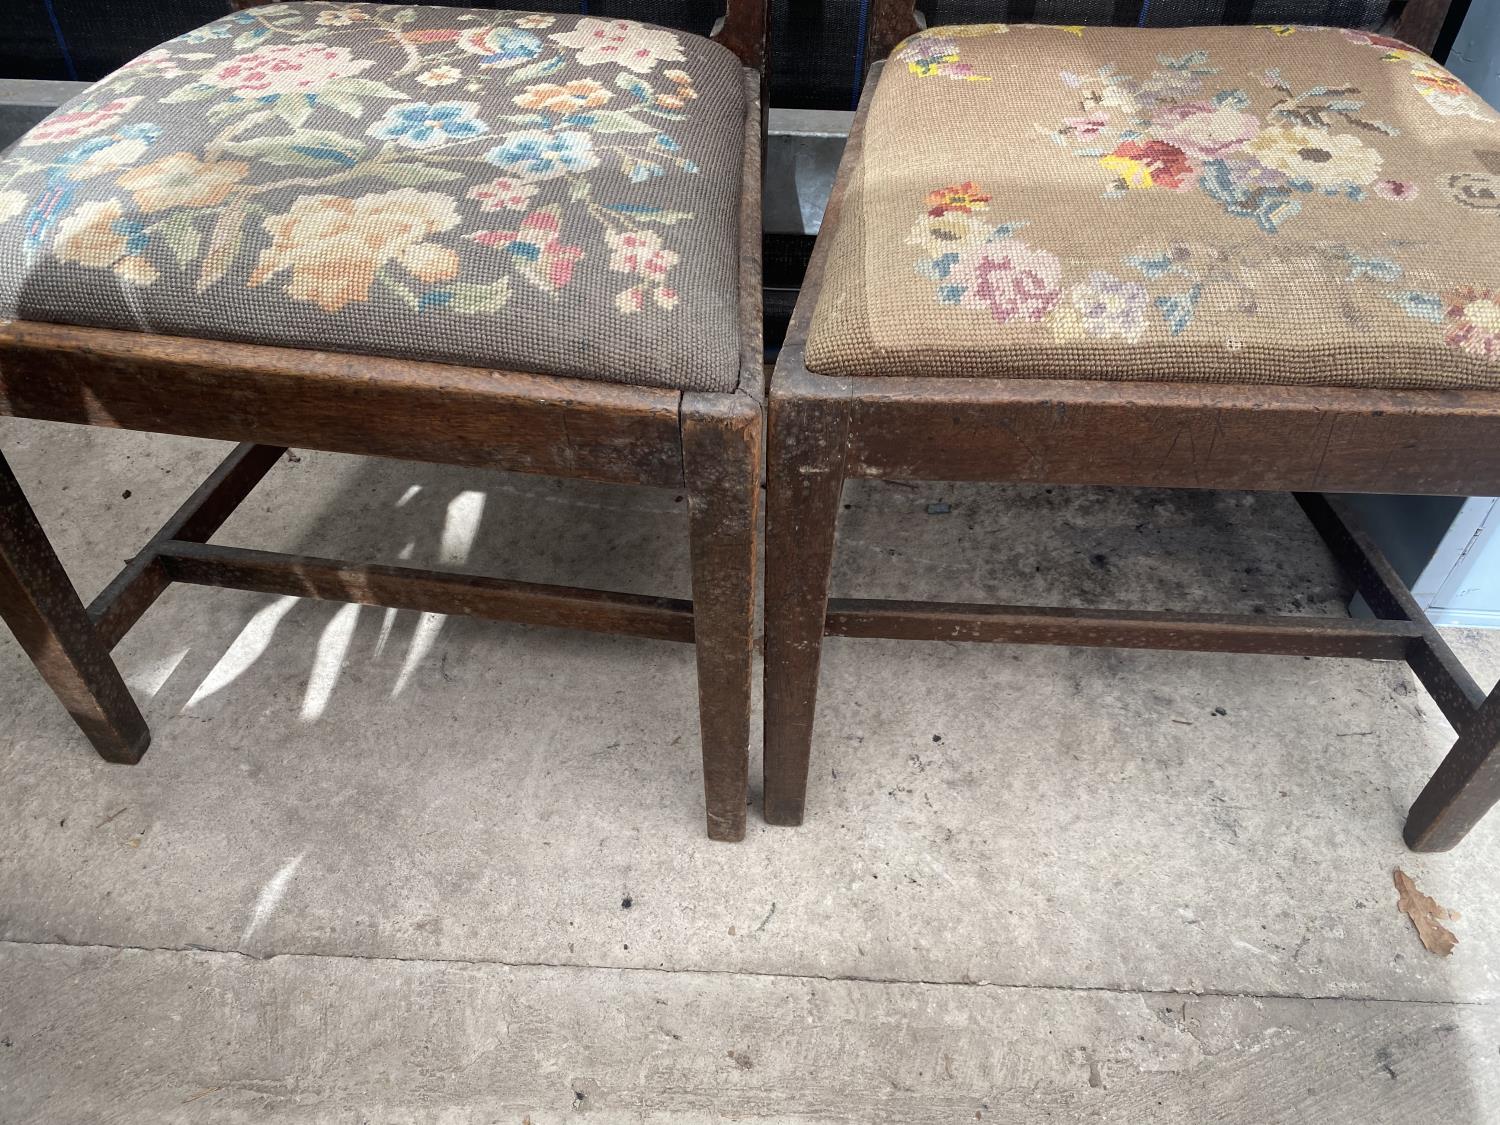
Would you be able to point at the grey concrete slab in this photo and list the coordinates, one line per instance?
(350, 782)
(102, 1035)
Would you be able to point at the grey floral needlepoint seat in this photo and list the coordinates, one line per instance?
(553, 194)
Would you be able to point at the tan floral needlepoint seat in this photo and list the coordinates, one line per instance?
(553, 194)
(1269, 205)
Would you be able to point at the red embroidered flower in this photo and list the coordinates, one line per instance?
(965, 197)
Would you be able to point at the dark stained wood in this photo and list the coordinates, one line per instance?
(721, 450)
(746, 32)
(1421, 22)
(807, 442)
(1063, 432)
(494, 599)
(890, 22)
(41, 607)
(132, 592)
(1177, 436)
(1464, 788)
(342, 403)
(1182, 632)
(1441, 672)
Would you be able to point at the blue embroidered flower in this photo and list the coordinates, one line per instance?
(420, 125)
(535, 154)
(501, 46)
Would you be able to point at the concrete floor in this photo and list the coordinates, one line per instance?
(387, 867)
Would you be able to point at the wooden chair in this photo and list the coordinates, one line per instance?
(944, 342)
(511, 240)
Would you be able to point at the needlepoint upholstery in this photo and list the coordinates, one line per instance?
(1231, 205)
(509, 190)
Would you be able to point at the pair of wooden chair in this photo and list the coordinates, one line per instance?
(1076, 255)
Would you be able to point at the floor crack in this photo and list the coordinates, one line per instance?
(831, 978)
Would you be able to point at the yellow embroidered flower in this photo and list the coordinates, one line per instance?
(1282, 29)
(182, 180)
(334, 246)
(1328, 161)
(98, 236)
(581, 93)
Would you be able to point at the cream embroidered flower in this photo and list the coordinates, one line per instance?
(1328, 161)
(98, 236)
(341, 17)
(182, 180)
(334, 246)
(440, 76)
(12, 203)
(623, 42)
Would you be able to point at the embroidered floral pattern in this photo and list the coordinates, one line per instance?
(1441, 90)
(1179, 130)
(297, 102)
(932, 55)
(976, 263)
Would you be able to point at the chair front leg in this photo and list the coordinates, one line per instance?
(1464, 788)
(41, 607)
(804, 483)
(721, 443)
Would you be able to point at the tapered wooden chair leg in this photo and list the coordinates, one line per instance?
(41, 607)
(721, 444)
(804, 481)
(1464, 787)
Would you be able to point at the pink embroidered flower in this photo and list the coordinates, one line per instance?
(1395, 189)
(1016, 282)
(285, 69)
(623, 42)
(538, 251)
(504, 193)
(79, 122)
(1204, 130)
(1368, 39)
(1085, 128)
(1473, 320)
(640, 252)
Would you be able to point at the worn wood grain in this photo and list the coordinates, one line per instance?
(38, 602)
(472, 595)
(341, 403)
(120, 604)
(721, 450)
(1153, 629)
